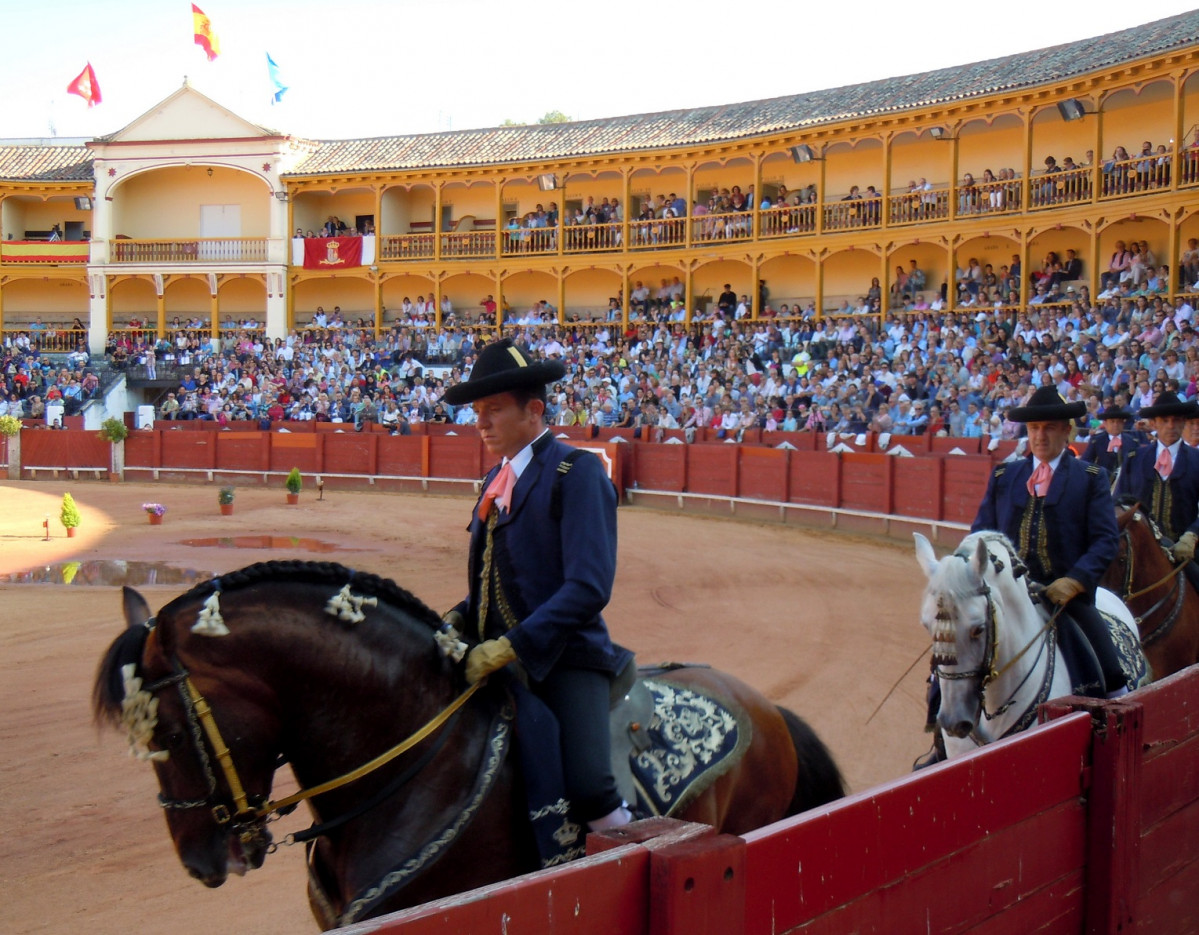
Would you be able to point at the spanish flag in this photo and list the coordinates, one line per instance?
(206, 39)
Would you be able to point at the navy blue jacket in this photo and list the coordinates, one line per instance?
(556, 573)
(1097, 452)
(1080, 521)
(1136, 480)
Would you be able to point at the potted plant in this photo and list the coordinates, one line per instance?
(115, 431)
(69, 515)
(155, 512)
(293, 484)
(225, 498)
(10, 428)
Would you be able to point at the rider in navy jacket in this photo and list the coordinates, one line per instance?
(1100, 448)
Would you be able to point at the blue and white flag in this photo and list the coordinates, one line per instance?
(276, 80)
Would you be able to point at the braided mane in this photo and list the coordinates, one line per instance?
(313, 573)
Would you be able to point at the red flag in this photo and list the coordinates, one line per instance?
(86, 86)
(332, 252)
(206, 39)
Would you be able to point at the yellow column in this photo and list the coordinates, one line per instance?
(561, 295)
(628, 209)
(499, 221)
(755, 207)
(1176, 166)
(162, 314)
(690, 201)
(437, 220)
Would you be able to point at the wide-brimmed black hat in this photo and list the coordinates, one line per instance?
(501, 368)
(1117, 412)
(1047, 405)
(1168, 404)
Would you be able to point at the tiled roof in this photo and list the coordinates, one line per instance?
(753, 118)
(46, 163)
(701, 125)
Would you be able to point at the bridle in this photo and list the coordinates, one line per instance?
(1177, 592)
(987, 672)
(247, 815)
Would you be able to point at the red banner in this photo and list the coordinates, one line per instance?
(332, 252)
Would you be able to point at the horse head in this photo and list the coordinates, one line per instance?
(969, 596)
(211, 689)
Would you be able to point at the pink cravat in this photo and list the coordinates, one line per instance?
(1164, 464)
(1115, 442)
(498, 491)
(1038, 484)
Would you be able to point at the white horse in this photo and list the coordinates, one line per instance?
(995, 648)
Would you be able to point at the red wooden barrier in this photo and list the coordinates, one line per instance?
(240, 451)
(866, 482)
(661, 467)
(815, 478)
(712, 469)
(51, 448)
(187, 450)
(919, 485)
(296, 449)
(763, 473)
(965, 482)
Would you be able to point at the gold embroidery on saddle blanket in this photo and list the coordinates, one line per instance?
(694, 739)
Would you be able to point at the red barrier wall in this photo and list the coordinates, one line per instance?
(295, 449)
(764, 473)
(52, 448)
(965, 483)
(661, 467)
(919, 487)
(711, 469)
(815, 478)
(239, 451)
(404, 455)
(1079, 825)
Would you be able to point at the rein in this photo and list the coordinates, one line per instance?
(246, 815)
(1178, 592)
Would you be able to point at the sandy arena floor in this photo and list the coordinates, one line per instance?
(821, 623)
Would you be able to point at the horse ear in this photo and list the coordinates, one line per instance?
(925, 554)
(978, 561)
(137, 611)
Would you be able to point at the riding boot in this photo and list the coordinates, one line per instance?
(937, 752)
(1094, 628)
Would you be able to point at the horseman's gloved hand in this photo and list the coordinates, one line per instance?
(487, 657)
(1184, 548)
(454, 619)
(1063, 590)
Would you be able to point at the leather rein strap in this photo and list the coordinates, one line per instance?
(243, 808)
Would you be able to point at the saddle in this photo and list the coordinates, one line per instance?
(669, 744)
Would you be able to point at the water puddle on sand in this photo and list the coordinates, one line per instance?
(288, 543)
(114, 573)
(108, 573)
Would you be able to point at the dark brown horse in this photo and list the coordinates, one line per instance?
(260, 667)
(1156, 591)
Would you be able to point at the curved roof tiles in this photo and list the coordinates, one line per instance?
(641, 132)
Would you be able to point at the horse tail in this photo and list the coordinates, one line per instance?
(818, 781)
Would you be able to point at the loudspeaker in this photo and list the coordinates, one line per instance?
(83, 204)
(548, 182)
(1071, 109)
(802, 153)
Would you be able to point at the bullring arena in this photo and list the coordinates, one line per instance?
(822, 623)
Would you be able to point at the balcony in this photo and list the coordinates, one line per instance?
(198, 250)
(45, 253)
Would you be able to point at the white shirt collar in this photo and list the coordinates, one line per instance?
(1173, 449)
(1036, 462)
(525, 455)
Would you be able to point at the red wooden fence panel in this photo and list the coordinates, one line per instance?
(403, 455)
(51, 448)
(351, 453)
(187, 450)
(815, 478)
(241, 451)
(296, 449)
(919, 485)
(458, 456)
(712, 469)
(763, 473)
(965, 483)
(660, 467)
(944, 850)
(866, 482)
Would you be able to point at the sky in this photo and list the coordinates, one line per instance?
(367, 68)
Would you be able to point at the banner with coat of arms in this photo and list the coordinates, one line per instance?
(332, 252)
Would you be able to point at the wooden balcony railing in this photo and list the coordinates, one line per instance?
(1052, 189)
(918, 207)
(847, 215)
(406, 246)
(53, 338)
(657, 234)
(199, 250)
(713, 228)
(525, 240)
(787, 220)
(592, 238)
(468, 244)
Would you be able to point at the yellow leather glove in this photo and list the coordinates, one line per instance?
(487, 657)
(1184, 548)
(1063, 590)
